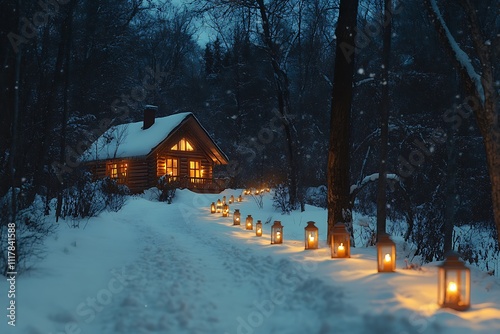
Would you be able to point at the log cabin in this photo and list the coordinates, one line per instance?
(138, 154)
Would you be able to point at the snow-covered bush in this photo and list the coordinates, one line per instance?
(317, 196)
(31, 229)
(281, 199)
(166, 189)
(87, 198)
(114, 194)
(428, 235)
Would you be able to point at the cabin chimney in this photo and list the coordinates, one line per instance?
(149, 116)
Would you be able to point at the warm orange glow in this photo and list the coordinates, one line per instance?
(387, 258)
(341, 250)
(452, 287)
(278, 235)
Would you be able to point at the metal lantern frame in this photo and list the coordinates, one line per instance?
(340, 242)
(258, 229)
(311, 236)
(453, 283)
(386, 254)
(276, 233)
(231, 199)
(236, 217)
(225, 210)
(212, 207)
(218, 206)
(223, 200)
(249, 223)
(240, 199)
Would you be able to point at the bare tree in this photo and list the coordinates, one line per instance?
(384, 122)
(476, 67)
(340, 124)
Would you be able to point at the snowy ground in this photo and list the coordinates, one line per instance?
(158, 268)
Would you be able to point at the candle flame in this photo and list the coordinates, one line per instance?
(452, 287)
(387, 258)
(341, 247)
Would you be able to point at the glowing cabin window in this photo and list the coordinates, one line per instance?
(172, 167)
(182, 145)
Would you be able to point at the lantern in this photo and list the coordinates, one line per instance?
(386, 254)
(223, 200)
(453, 283)
(240, 199)
(258, 229)
(249, 223)
(231, 199)
(219, 206)
(340, 241)
(225, 210)
(212, 207)
(276, 233)
(236, 217)
(311, 236)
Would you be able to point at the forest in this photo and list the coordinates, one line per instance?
(259, 77)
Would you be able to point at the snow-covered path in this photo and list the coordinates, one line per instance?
(183, 281)
(156, 268)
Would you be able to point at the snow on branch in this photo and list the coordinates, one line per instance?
(460, 55)
(371, 178)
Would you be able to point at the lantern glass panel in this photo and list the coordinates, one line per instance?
(454, 284)
(249, 223)
(258, 229)
(212, 208)
(386, 255)
(219, 206)
(225, 210)
(231, 199)
(277, 233)
(311, 236)
(236, 217)
(340, 245)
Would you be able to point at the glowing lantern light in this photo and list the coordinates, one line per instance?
(223, 200)
(231, 199)
(453, 283)
(311, 236)
(212, 207)
(340, 241)
(236, 217)
(219, 206)
(225, 210)
(386, 254)
(258, 229)
(277, 233)
(249, 223)
(240, 199)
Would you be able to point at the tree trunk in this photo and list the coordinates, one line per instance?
(283, 94)
(480, 88)
(62, 149)
(384, 124)
(338, 154)
(451, 175)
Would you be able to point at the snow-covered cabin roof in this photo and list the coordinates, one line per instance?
(130, 140)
